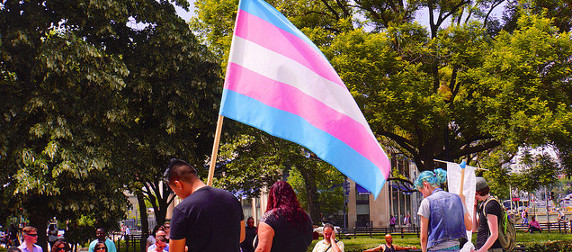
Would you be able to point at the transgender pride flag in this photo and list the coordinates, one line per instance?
(278, 81)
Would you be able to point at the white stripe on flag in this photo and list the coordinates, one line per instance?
(257, 58)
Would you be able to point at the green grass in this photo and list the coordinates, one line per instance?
(362, 242)
(529, 239)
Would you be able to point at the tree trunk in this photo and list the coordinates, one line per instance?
(144, 222)
(40, 221)
(312, 193)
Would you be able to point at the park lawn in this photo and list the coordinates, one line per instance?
(529, 239)
(362, 242)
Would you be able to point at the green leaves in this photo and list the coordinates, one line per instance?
(462, 89)
(91, 106)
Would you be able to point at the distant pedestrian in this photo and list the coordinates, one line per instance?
(392, 222)
(13, 237)
(534, 226)
(524, 216)
(208, 218)
(102, 238)
(284, 226)
(248, 244)
(444, 216)
(30, 239)
(407, 221)
(561, 215)
(52, 234)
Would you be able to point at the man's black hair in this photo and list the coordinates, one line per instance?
(484, 191)
(179, 170)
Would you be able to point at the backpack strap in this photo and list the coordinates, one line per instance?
(500, 219)
(485, 205)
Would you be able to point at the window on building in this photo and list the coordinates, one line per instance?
(362, 209)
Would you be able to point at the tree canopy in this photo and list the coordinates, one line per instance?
(467, 86)
(95, 98)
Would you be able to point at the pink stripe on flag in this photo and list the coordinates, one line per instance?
(292, 100)
(285, 43)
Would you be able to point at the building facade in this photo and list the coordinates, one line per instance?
(395, 199)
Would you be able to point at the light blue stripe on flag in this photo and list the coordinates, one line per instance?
(294, 128)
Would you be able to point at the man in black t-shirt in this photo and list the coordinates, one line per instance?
(487, 238)
(208, 218)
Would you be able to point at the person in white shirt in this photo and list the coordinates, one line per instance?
(329, 243)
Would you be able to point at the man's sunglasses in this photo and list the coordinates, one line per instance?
(34, 235)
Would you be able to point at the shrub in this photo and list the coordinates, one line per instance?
(554, 246)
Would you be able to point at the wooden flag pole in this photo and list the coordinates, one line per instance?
(462, 181)
(462, 165)
(215, 150)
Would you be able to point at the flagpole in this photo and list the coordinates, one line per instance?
(462, 165)
(447, 162)
(215, 150)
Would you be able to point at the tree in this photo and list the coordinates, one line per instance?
(559, 11)
(328, 180)
(449, 93)
(51, 145)
(539, 170)
(171, 105)
(91, 102)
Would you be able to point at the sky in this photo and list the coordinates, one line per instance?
(186, 15)
(422, 16)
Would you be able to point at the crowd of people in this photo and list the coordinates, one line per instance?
(30, 238)
(211, 219)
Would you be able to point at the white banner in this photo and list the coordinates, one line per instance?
(454, 183)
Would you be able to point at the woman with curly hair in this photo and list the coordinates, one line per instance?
(284, 226)
(444, 216)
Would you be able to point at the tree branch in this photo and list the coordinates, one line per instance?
(403, 142)
(453, 85)
(343, 7)
(493, 6)
(478, 148)
(331, 9)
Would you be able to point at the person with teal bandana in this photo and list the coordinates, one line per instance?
(444, 216)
